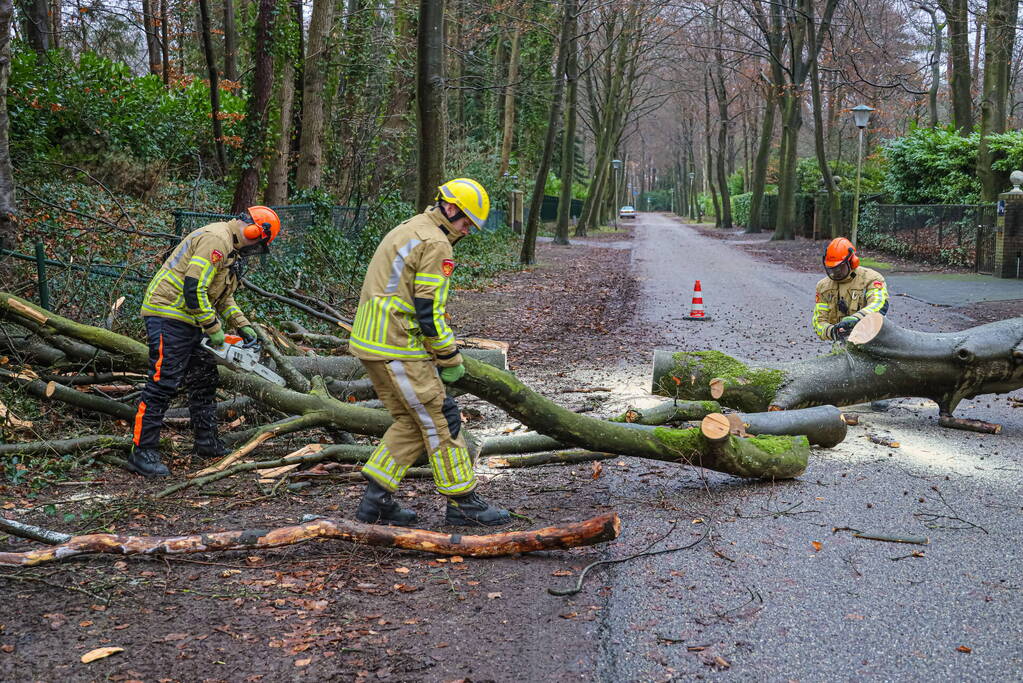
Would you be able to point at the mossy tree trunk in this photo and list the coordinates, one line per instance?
(896, 362)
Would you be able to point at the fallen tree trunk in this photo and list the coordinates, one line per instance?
(65, 446)
(778, 457)
(589, 532)
(822, 426)
(881, 360)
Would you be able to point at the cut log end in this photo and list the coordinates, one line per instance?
(736, 425)
(717, 388)
(715, 427)
(866, 329)
(51, 389)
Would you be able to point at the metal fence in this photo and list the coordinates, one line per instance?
(951, 234)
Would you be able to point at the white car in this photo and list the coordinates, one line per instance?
(627, 212)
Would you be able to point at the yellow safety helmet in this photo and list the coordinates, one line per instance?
(469, 196)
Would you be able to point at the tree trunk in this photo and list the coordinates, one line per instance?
(310, 158)
(280, 165)
(932, 93)
(152, 39)
(528, 254)
(231, 42)
(759, 175)
(430, 106)
(834, 227)
(509, 104)
(998, 43)
(164, 41)
(709, 173)
(792, 121)
(8, 201)
(958, 19)
(256, 117)
(568, 134)
(770, 457)
(589, 532)
(896, 362)
(211, 71)
(721, 95)
(35, 24)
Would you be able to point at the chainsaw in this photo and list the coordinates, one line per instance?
(241, 357)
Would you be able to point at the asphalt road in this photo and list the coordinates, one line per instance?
(775, 593)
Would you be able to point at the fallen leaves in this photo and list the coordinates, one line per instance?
(100, 653)
(493, 596)
(405, 588)
(964, 649)
(817, 545)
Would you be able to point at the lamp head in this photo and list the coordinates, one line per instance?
(861, 115)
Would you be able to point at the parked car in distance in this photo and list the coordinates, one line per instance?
(627, 212)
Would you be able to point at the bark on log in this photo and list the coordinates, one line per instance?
(895, 362)
(555, 458)
(589, 532)
(51, 391)
(669, 412)
(779, 457)
(65, 446)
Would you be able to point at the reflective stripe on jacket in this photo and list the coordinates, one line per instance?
(401, 312)
(863, 292)
(196, 281)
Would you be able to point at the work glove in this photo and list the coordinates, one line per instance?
(248, 335)
(842, 330)
(217, 338)
(452, 374)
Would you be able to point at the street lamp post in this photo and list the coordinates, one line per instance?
(615, 165)
(861, 116)
(692, 195)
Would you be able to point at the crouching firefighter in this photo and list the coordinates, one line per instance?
(195, 284)
(401, 337)
(847, 294)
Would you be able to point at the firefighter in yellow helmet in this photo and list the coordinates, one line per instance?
(402, 338)
(195, 284)
(847, 294)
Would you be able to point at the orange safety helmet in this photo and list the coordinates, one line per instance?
(840, 259)
(265, 226)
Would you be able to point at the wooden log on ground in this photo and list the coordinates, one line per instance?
(553, 458)
(769, 457)
(65, 446)
(881, 360)
(51, 391)
(589, 532)
(669, 412)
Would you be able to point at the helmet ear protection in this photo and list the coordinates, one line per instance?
(256, 232)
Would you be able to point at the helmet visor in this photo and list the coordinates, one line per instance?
(839, 272)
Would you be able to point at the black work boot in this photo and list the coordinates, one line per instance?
(146, 461)
(378, 507)
(471, 510)
(208, 445)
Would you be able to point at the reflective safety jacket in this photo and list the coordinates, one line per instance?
(401, 308)
(863, 292)
(196, 281)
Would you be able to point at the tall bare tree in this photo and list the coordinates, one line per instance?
(259, 105)
(8, 205)
(310, 156)
(568, 134)
(957, 16)
(508, 129)
(1000, 34)
(230, 42)
(211, 71)
(430, 106)
(528, 253)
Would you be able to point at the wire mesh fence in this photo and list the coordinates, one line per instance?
(952, 234)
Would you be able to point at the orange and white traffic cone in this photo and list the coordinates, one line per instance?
(697, 312)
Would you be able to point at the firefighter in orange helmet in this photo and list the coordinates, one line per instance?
(847, 294)
(181, 306)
